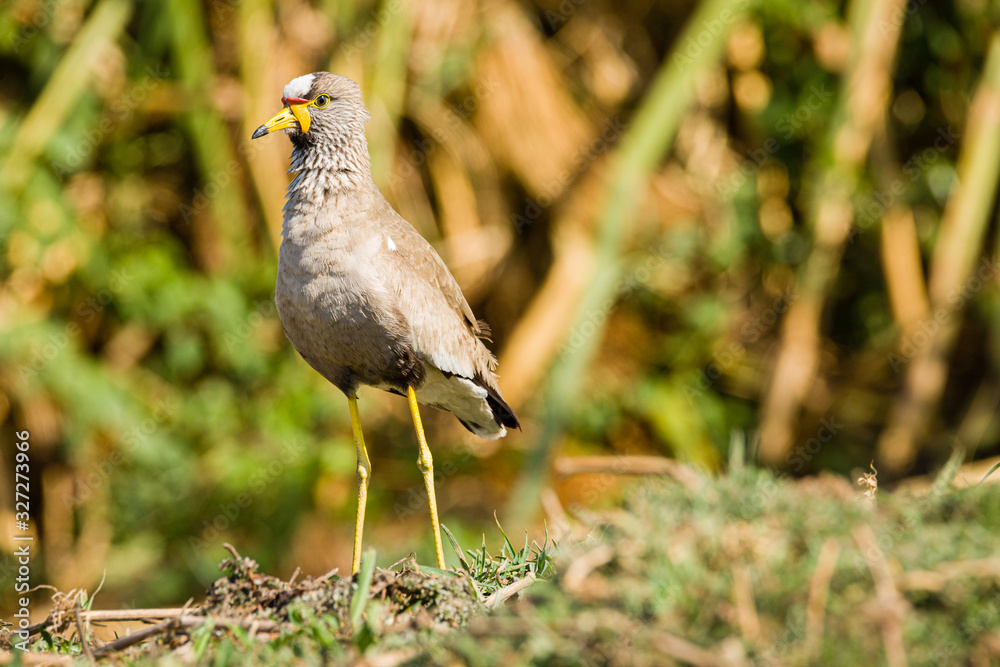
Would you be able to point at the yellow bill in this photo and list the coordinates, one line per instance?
(294, 114)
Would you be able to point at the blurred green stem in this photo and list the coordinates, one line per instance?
(220, 170)
(63, 90)
(643, 146)
(387, 88)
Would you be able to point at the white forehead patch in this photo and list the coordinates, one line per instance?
(299, 87)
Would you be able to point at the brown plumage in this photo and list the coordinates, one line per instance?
(361, 295)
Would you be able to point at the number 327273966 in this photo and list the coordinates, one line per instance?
(21, 468)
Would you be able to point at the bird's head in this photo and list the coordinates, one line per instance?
(321, 110)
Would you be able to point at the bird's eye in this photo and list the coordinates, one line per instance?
(321, 101)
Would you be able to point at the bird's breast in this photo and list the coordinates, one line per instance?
(326, 280)
(340, 316)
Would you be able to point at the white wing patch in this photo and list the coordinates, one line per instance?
(299, 87)
(389, 243)
(463, 398)
(450, 364)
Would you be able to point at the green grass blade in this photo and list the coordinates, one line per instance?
(948, 472)
(203, 636)
(989, 472)
(360, 599)
(458, 549)
(510, 547)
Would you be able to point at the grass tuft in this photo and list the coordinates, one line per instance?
(747, 568)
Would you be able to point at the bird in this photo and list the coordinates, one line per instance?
(364, 299)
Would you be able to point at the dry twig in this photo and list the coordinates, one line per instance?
(578, 570)
(746, 609)
(684, 651)
(568, 466)
(938, 578)
(887, 594)
(819, 588)
(496, 598)
(84, 640)
(144, 615)
(182, 623)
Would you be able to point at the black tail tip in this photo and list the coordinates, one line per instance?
(502, 412)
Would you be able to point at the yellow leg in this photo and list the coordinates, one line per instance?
(426, 464)
(364, 471)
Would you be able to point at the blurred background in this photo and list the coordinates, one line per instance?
(688, 224)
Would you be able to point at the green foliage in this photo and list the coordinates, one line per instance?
(489, 573)
(728, 569)
(746, 567)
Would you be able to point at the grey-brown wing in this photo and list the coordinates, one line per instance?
(422, 260)
(445, 331)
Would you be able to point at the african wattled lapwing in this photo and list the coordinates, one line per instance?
(361, 295)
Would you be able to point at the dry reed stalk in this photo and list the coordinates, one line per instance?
(746, 609)
(903, 269)
(266, 65)
(542, 328)
(78, 546)
(819, 590)
(528, 117)
(893, 607)
(627, 465)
